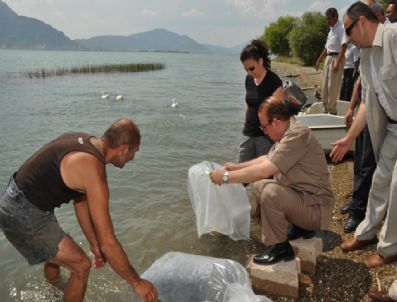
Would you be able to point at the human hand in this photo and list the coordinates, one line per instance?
(99, 259)
(335, 67)
(216, 176)
(145, 290)
(340, 149)
(317, 65)
(349, 118)
(229, 166)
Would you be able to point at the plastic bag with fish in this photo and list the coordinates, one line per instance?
(181, 277)
(224, 209)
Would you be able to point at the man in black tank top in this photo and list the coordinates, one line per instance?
(71, 167)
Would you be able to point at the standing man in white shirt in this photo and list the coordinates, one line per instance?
(349, 76)
(334, 50)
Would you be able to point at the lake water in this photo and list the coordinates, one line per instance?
(149, 204)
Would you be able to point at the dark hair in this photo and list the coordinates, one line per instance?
(256, 49)
(122, 131)
(275, 108)
(392, 2)
(331, 12)
(378, 8)
(360, 9)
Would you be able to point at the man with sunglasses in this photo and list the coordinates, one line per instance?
(378, 110)
(299, 192)
(334, 52)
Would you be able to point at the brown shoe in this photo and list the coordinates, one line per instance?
(376, 260)
(380, 296)
(352, 244)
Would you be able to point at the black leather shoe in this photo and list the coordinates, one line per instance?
(297, 232)
(276, 253)
(351, 224)
(346, 208)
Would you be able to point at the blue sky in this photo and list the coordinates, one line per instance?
(219, 22)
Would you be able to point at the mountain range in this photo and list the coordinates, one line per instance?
(20, 32)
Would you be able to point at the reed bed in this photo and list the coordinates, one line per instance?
(87, 69)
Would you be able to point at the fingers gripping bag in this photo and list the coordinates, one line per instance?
(224, 209)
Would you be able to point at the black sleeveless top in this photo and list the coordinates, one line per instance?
(39, 178)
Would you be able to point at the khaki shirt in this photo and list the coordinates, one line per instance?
(303, 167)
(379, 80)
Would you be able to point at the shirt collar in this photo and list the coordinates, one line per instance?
(378, 39)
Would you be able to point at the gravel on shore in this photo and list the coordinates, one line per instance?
(339, 276)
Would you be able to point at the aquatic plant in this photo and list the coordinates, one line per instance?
(84, 69)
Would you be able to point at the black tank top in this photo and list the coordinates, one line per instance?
(39, 178)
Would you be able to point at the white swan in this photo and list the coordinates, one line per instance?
(174, 103)
(119, 97)
(105, 96)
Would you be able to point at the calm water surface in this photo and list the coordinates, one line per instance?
(149, 204)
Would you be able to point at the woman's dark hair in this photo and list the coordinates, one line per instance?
(256, 49)
(360, 9)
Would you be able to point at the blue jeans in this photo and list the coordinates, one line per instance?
(34, 233)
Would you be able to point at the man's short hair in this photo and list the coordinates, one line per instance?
(360, 9)
(122, 131)
(331, 12)
(275, 108)
(376, 7)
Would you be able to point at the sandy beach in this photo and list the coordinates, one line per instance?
(339, 276)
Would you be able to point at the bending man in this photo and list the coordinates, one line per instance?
(71, 167)
(299, 193)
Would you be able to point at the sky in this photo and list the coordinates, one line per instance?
(219, 22)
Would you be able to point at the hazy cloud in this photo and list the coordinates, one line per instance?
(192, 13)
(149, 13)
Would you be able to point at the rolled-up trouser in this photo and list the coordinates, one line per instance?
(34, 233)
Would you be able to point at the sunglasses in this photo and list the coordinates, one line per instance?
(250, 69)
(348, 29)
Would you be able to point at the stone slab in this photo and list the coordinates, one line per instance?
(308, 250)
(281, 278)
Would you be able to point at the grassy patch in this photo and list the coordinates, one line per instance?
(87, 69)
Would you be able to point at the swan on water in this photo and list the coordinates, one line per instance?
(174, 103)
(119, 97)
(105, 96)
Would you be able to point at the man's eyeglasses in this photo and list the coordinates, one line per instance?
(348, 29)
(264, 127)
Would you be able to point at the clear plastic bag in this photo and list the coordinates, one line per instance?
(180, 277)
(224, 209)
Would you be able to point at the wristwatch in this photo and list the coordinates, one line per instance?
(225, 177)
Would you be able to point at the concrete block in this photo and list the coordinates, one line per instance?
(281, 278)
(308, 250)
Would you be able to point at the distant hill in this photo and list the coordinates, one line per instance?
(21, 32)
(219, 49)
(154, 40)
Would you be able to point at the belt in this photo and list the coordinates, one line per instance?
(332, 53)
(391, 121)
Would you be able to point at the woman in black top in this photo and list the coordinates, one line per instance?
(260, 83)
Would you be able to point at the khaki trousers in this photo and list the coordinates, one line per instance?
(281, 205)
(332, 82)
(382, 200)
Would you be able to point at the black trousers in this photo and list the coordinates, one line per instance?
(346, 90)
(364, 167)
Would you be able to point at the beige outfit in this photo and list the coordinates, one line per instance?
(300, 193)
(379, 80)
(332, 80)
